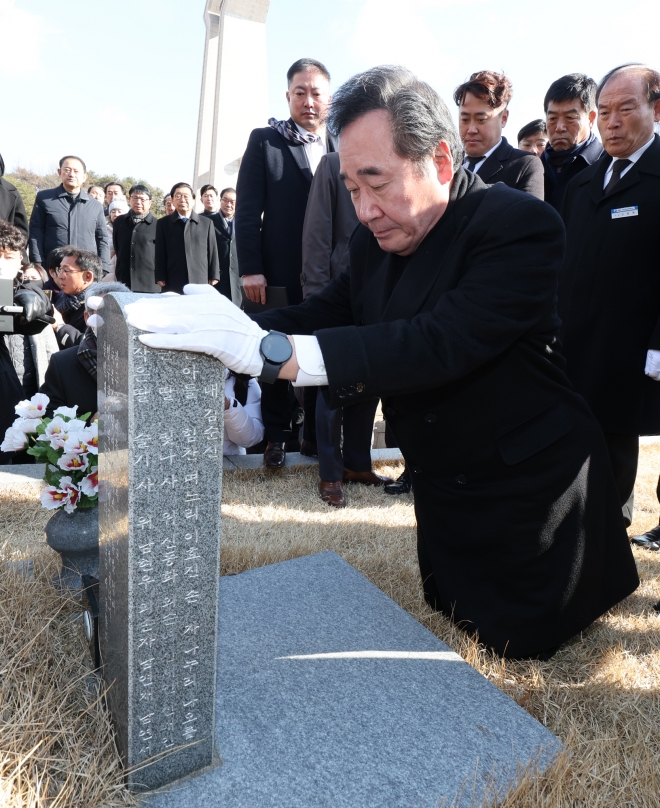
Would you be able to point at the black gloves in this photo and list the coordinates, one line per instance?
(34, 305)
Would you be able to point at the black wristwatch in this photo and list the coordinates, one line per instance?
(275, 349)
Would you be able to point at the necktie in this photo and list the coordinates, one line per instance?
(617, 167)
(184, 219)
(472, 161)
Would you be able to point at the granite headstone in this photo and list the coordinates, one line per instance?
(160, 471)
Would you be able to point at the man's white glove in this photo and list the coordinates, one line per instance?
(203, 321)
(652, 368)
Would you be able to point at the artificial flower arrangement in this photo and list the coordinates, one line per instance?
(67, 446)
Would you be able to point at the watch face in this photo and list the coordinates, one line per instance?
(276, 348)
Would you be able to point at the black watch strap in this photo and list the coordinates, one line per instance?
(269, 372)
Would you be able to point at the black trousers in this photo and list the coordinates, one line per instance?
(355, 454)
(624, 455)
(276, 411)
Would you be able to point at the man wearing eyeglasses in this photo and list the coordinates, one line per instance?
(78, 270)
(67, 215)
(134, 240)
(223, 221)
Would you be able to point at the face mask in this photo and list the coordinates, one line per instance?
(8, 269)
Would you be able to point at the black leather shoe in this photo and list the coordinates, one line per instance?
(402, 484)
(308, 449)
(274, 456)
(332, 493)
(649, 540)
(365, 477)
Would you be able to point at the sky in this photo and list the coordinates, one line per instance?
(118, 82)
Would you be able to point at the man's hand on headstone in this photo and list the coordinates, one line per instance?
(203, 322)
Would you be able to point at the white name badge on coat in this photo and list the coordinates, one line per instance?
(622, 213)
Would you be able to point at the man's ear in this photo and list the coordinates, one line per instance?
(592, 118)
(656, 111)
(505, 117)
(88, 277)
(443, 161)
(86, 315)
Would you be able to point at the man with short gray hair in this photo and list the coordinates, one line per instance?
(447, 313)
(609, 287)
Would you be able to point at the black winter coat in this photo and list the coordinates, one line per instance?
(135, 248)
(12, 209)
(515, 168)
(272, 189)
(519, 528)
(68, 384)
(609, 293)
(227, 255)
(185, 253)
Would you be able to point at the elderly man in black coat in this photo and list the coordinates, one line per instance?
(134, 240)
(448, 313)
(186, 248)
(609, 287)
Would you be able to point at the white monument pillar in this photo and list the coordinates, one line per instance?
(234, 98)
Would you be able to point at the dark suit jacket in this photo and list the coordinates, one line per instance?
(54, 223)
(609, 293)
(12, 209)
(136, 253)
(68, 384)
(555, 184)
(515, 168)
(227, 255)
(329, 221)
(185, 253)
(273, 186)
(463, 352)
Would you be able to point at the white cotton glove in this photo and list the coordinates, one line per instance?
(203, 321)
(652, 368)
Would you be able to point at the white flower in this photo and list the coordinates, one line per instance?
(73, 462)
(90, 484)
(73, 493)
(66, 412)
(91, 438)
(15, 440)
(52, 497)
(34, 408)
(62, 434)
(26, 425)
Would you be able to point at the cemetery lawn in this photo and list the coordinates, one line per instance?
(600, 693)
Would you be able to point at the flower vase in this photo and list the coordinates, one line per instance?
(75, 536)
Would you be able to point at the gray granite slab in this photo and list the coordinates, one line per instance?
(160, 472)
(331, 695)
(23, 477)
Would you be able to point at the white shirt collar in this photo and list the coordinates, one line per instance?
(484, 158)
(319, 134)
(634, 157)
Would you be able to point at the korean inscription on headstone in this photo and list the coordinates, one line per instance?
(160, 469)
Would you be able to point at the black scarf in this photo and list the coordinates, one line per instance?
(65, 303)
(559, 160)
(87, 352)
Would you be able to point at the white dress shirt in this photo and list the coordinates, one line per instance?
(310, 361)
(478, 165)
(315, 150)
(633, 159)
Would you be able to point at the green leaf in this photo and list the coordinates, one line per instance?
(52, 455)
(84, 417)
(51, 477)
(87, 502)
(36, 451)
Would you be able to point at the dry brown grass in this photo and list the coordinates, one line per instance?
(600, 694)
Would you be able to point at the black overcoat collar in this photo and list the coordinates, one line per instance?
(493, 163)
(594, 176)
(423, 270)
